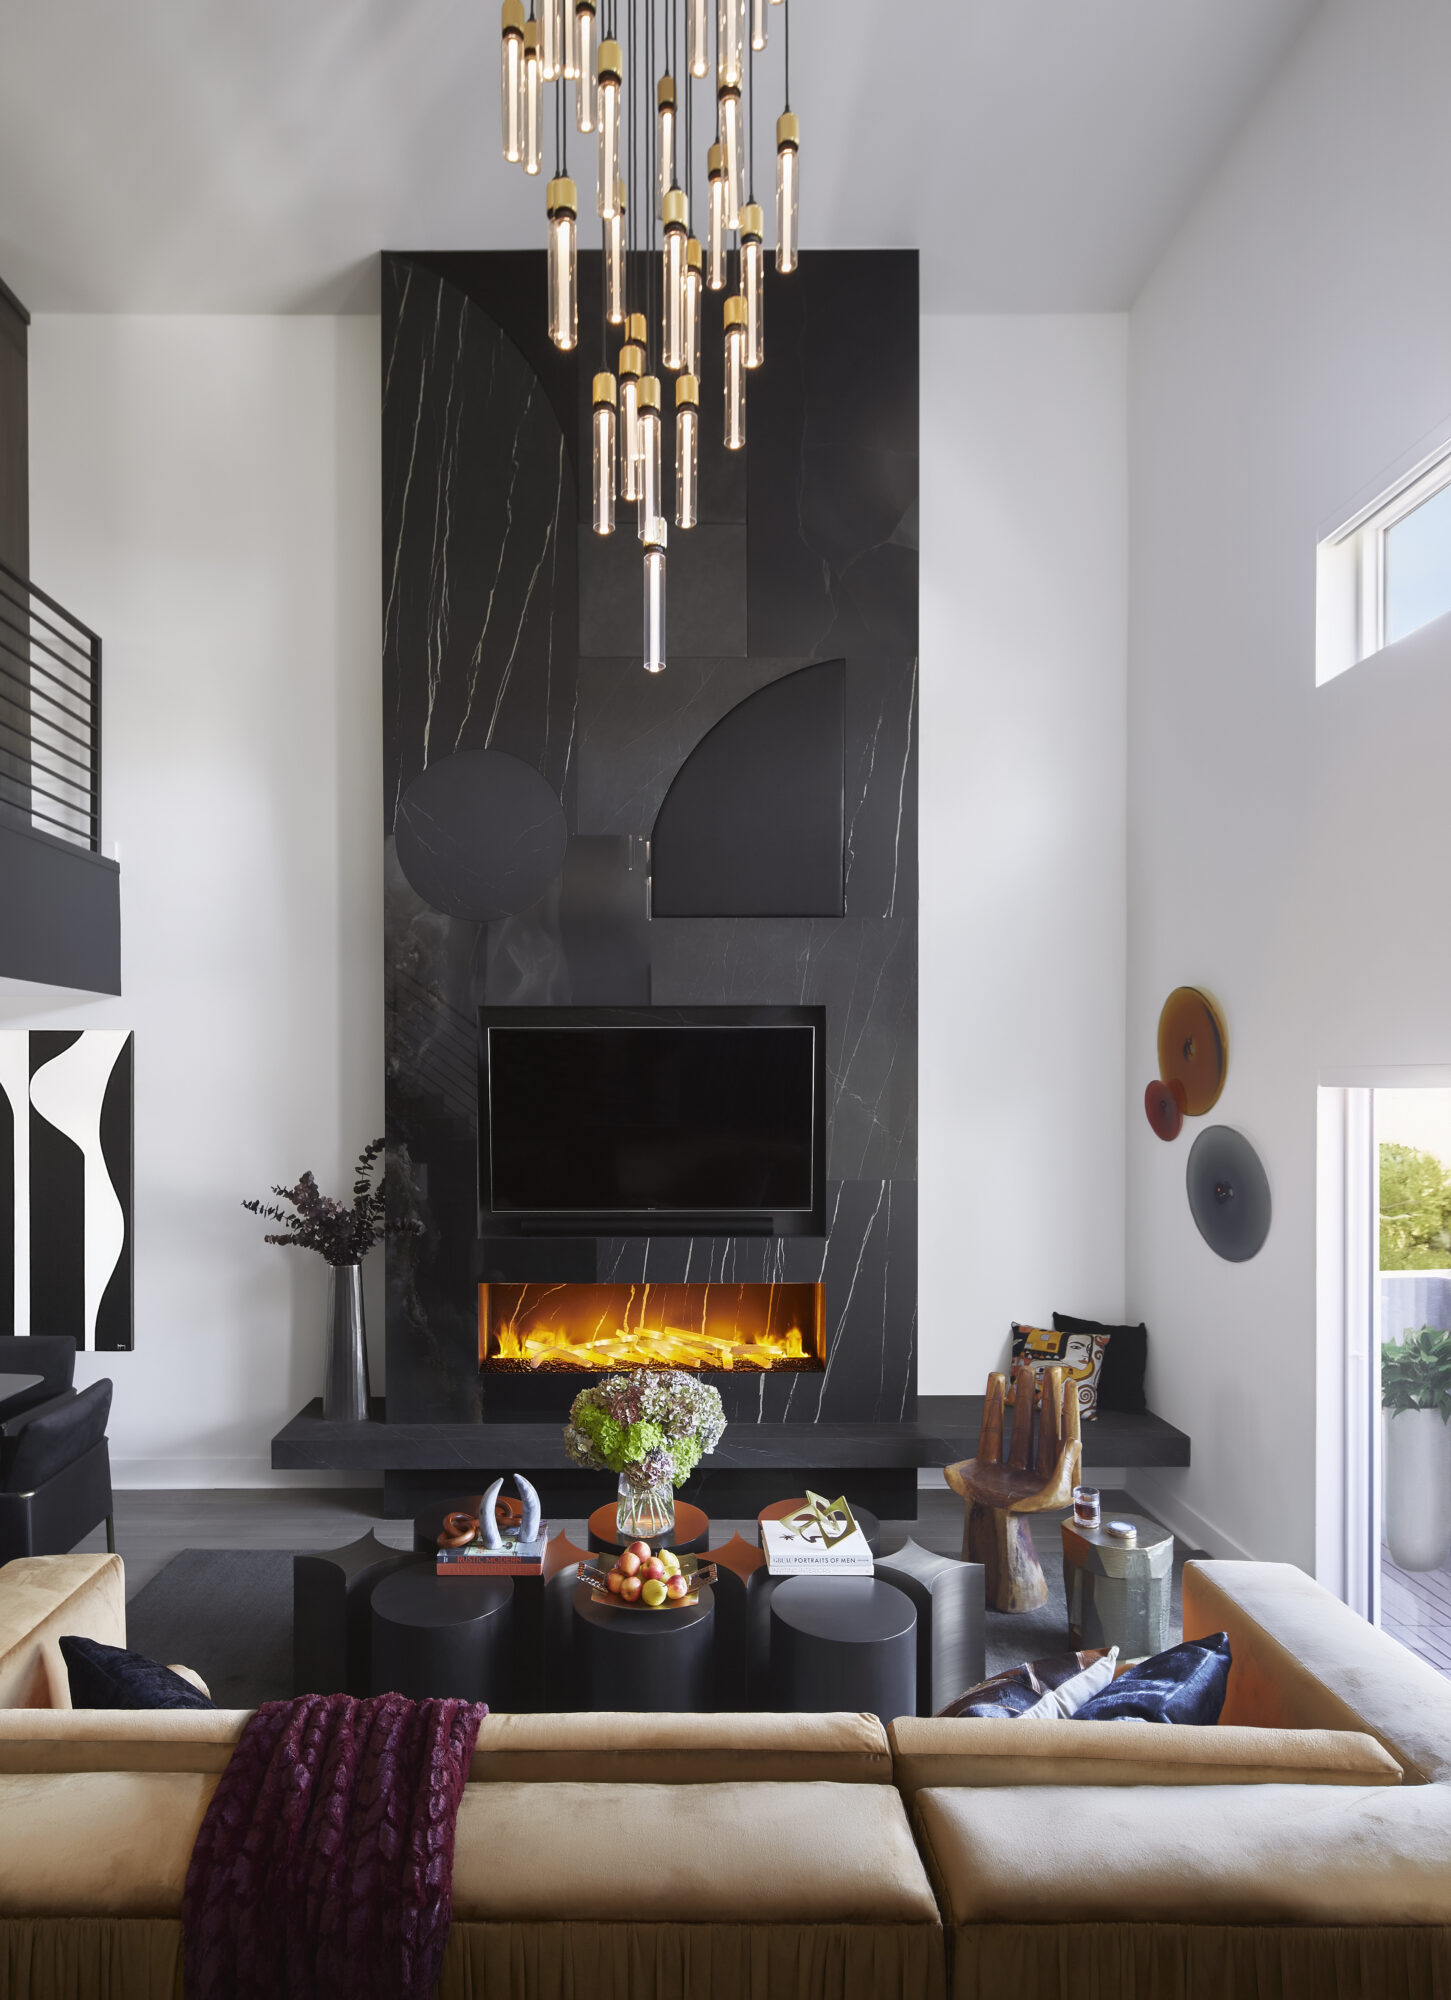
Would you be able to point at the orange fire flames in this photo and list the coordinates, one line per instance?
(754, 1328)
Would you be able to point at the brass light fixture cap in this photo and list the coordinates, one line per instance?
(604, 391)
(562, 197)
(728, 90)
(513, 17)
(648, 393)
(687, 392)
(610, 61)
(676, 209)
(693, 257)
(583, 7)
(715, 161)
(665, 92)
(788, 130)
(620, 193)
(632, 361)
(531, 38)
(735, 312)
(635, 329)
(753, 222)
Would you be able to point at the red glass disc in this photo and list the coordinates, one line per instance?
(1164, 1108)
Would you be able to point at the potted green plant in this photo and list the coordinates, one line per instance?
(1415, 1391)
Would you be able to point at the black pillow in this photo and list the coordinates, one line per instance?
(1187, 1685)
(110, 1677)
(1121, 1379)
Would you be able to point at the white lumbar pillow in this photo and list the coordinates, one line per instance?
(1059, 1703)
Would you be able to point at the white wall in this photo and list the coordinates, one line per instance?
(1292, 349)
(1024, 579)
(205, 493)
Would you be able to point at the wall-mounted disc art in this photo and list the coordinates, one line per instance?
(480, 835)
(1164, 1108)
(1193, 1048)
(1229, 1193)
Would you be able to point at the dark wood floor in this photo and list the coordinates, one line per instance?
(1415, 1607)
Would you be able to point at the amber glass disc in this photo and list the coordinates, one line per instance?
(1164, 1108)
(1193, 1048)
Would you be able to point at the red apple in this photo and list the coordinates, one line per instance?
(628, 1563)
(653, 1593)
(630, 1589)
(676, 1586)
(615, 1582)
(652, 1569)
(640, 1549)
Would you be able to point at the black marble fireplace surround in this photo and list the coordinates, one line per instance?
(509, 626)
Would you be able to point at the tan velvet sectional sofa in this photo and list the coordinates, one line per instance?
(1302, 1848)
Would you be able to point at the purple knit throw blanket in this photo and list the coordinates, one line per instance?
(324, 1867)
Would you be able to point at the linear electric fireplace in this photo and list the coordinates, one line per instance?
(581, 1329)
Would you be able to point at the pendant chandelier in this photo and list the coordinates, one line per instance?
(634, 102)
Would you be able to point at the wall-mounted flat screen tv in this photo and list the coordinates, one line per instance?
(652, 1121)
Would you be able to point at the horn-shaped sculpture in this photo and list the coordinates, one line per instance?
(489, 1534)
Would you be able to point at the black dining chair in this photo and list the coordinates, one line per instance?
(55, 1474)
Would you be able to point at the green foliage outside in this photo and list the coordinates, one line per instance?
(1415, 1211)
(1415, 1373)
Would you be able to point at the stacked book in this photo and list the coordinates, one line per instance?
(820, 1539)
(515, 1558)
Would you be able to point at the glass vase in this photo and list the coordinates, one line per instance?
(644, 1513)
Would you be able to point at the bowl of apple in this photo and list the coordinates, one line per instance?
(646, 1579)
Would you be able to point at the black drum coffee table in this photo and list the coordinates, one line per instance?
(656, 1661)
(843, 1642)
(443, 1635)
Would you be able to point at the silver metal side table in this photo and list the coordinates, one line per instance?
(1118, 1592)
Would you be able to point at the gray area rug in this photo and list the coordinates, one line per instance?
(227, 1613)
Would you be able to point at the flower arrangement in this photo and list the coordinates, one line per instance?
(651, 1427)
(339, 1232)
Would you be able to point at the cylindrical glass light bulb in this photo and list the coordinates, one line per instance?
(551, 40)
(730, 43)
(665, 132)
(511, 80)
(562, 275)
(715, 235)
(694, 289)
(697, 30)
(672, 265)
(753, 282)
(758, 24)
(604, 455)
(632, 366)
(735, 374)
(614, 248)
(649, 435)
(729, 103)
(569, 46)
(788, 180)
(655, 599)
(584, 88)
(611, 69)
(687, 451)
(533, 100)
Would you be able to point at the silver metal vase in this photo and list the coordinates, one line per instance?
(345, 1377)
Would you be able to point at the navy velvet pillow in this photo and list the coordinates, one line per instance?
(1186, 1684)
(110, 1677)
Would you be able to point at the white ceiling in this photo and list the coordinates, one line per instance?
(253, 155)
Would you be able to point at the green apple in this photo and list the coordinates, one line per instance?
(654, 1593)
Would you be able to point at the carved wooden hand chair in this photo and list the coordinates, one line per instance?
(1044, 1461)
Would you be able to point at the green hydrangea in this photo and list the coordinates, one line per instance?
(642, 1438)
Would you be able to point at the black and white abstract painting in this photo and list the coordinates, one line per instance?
(66, 1185)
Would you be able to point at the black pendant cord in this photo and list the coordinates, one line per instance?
(651, 179)
(788, 53)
